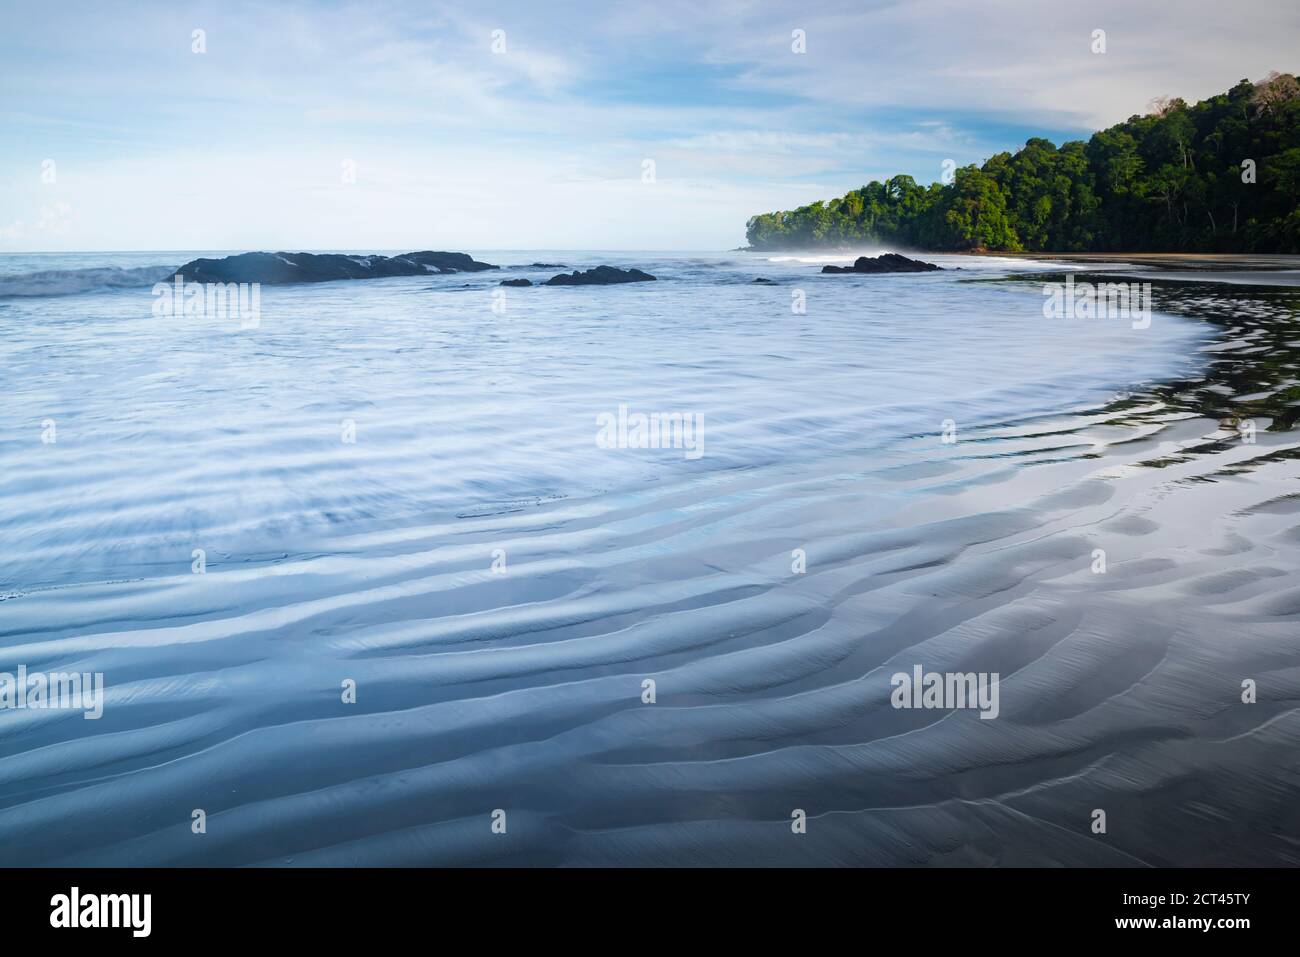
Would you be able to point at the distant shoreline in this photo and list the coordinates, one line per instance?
(1263, 269)
(1167, 260)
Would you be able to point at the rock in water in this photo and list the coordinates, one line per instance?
(600, 276)
(889, 262)
(765, 282)
(516, 282)
(279, 268)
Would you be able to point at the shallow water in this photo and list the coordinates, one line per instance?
(520, 688)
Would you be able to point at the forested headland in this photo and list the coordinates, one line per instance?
(1221, 175)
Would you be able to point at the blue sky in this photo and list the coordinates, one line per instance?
(543, 143)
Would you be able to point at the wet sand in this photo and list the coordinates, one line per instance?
(1121, 690)
(1244, 268)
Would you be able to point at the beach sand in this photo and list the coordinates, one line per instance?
(1121, 688)
(1243, 268)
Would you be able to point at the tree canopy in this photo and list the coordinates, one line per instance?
(1222, 175)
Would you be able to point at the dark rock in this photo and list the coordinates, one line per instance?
(600, 276)
(516, 282)
(279, 268)
(889, 262)
(766, 282)
(447, 262)
(549, 266)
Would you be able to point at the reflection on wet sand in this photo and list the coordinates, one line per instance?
(1127, 569)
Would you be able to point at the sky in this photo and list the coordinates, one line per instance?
(632, 124)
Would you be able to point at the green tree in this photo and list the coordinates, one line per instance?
(1169, 180)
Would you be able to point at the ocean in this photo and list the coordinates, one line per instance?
(426, 570)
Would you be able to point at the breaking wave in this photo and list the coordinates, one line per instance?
(68, 282)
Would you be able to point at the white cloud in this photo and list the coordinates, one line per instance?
(542, 145)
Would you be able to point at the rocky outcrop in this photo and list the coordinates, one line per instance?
(600, 276)
(281, 268)
(516, 282)
(764, 282)
(889, 262)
